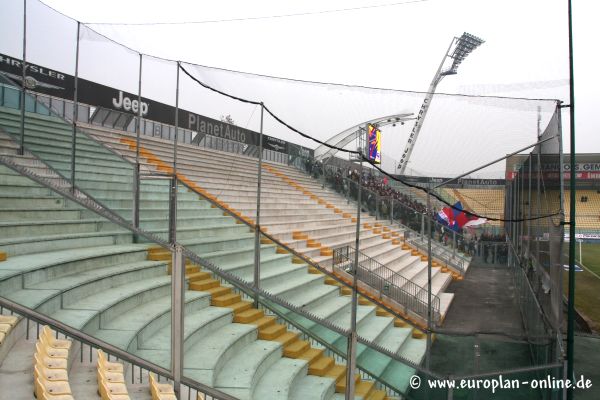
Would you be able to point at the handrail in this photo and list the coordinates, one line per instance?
(124, 223)
(449, 259)
(254, 292)
(220, 273)
(91, 341)
(459, 265)
(436, 244)
(400, 289)
(68, 121)
(262, 294)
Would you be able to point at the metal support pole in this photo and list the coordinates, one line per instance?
(23, 77)
(429, 298)
(392, 210)
(258, 194)
(453, 244)
(75, 110)
(177, 310)
(538, 227)
(529, 221)
(136, 171)
(423, 112)
(422, 227)
(522, 207)
(173, 187)
(572, 215)
(352, 340)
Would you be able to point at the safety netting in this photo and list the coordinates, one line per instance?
(483, 179)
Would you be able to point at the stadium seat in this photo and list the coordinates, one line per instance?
(57, 356)
(48, 374)
(107, 365)
(111, 381)
(9, 319)
(112, 391)
(48, 362)
(98, 271)
(51, 388)
(161, 391)
(51, 352)
(49, 338)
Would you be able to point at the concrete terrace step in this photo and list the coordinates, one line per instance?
(31, 268)
(131, 331)
(54, 294)
(42, 244)
(365, 245)
(206, 358)
(50, 227)
(102, 300)
(279, 381)
(17, 371)
(40, 214)
(242, 371)
(89, 313)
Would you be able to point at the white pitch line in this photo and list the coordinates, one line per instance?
(589, 270)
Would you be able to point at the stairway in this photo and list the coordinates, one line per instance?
(83, 270)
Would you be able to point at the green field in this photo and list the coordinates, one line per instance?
(590, 256)
(587, 284)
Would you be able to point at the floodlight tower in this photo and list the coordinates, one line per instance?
(459, 49)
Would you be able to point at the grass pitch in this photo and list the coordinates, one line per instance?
(587, 283)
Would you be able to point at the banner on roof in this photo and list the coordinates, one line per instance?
(58, 84)
(374, 136)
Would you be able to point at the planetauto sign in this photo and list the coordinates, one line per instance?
(58, 84)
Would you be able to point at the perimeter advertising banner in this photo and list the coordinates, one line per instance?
(58, 84)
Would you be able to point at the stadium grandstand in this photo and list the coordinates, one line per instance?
(152, 248)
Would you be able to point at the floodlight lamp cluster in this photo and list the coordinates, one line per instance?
(465, 44)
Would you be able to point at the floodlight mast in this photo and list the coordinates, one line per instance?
(459, 49)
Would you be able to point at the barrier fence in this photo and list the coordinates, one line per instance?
(155, 185)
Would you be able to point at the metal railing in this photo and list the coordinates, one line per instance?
(139, 366)
(386, 208)
(388, 283)
(442, 254)
(103, 117)
(241, 286)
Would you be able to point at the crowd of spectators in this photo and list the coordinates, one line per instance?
(379, 197)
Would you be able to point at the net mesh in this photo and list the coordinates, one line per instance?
(464, 138)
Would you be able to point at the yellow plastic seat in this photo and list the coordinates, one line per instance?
(52, 388)
(48, 374)
(107, 365)
(51, 351)
(47, 361)
(161, 391)
(2, 337)
(112, 391)
(9, 319)
(109, 376)
(4, 328)
(49, 338)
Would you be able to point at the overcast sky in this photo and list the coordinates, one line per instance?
(385, 44)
